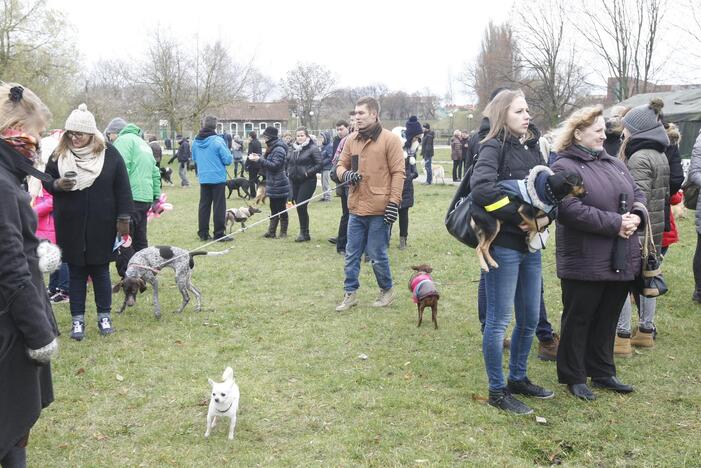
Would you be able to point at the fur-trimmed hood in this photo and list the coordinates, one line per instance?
(674, 134)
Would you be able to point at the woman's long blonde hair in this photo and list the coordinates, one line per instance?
(579, 120)
(497, 111)
(29, 112)
(97, 144)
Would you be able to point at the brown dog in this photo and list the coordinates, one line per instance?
(260, 193)
(424, 292)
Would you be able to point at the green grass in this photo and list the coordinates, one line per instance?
(138, 397)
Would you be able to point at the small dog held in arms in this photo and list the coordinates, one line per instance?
(239, 215)
(537, 197)
(424, 292)
(144, 266)
(224, 402)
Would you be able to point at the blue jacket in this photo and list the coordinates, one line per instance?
(211, 156)
(273, 165)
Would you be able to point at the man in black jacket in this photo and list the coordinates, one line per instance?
(427, 152)
(254, 147)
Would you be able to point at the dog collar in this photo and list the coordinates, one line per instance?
(226, 410)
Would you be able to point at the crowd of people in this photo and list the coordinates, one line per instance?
(91, 192)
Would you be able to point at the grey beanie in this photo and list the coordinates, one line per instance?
(643, 118)
(210, 122)
(115, 126)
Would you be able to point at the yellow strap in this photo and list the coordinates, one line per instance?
(497, 204)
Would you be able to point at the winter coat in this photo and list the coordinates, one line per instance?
(86, 220)
(518, 159)
(695, 177)
(381, 163)
(474, 141)
(327, 154)
(273, 166)
(254, 147)
(44, 208)
(237, 150)
(456, 148)
(408, 190)
(587, 228)
(303, 163)
(26, 318)
(427, 144)
(211, 156)
(144, 176)
(157, 151)
(671, 235)
(650, 170)
(183, 154)
(612, 143)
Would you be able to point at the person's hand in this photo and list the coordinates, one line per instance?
(629, 224)
(123, 226)
(352, 177)
(391, 213)
(253, 157)
(64, 184)
(541, 222)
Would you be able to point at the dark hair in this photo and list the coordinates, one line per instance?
(302, 129)
(252, 134)
(342, 123)
(370, 102)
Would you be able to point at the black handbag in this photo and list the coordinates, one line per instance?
(650, 282)
(691, 194)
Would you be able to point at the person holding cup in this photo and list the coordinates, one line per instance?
(92, 204)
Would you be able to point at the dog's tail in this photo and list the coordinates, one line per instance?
(228, 374)
(200, 252)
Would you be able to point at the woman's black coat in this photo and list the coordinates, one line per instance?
(272, 164)
(408, 190)
(304, 163)
(86, 220)
(26, 318)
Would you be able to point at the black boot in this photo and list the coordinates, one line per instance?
(303, 236)
(272, 227)
(283, 226)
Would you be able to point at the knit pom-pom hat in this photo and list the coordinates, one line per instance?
(413, 128)
(81, 120)
(643, 118)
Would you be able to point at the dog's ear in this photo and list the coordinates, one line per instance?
(416, 268)
(211, 382)
(117, 287)
(142, 285)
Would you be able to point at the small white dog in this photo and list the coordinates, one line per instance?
(224, 402)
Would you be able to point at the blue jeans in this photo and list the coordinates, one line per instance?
(429, 171)
(102, 287)
(371, 234)
(515, 284)
(543, 331)
(59, 279)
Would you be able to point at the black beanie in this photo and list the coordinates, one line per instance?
(270, 133)
(413, 128)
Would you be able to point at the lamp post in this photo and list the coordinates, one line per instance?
(451, 125)
(469, 122)
(311, 119)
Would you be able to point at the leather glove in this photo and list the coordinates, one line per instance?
(64, 184)
(44, 354)
(352, 177)
(391, 213)
(123, 226)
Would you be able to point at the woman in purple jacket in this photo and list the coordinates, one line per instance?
(587, 229)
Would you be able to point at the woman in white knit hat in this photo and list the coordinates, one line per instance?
(92, 202)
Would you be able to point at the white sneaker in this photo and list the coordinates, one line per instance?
(349, 300)
(385, 298)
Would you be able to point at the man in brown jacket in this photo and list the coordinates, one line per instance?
(373, 199)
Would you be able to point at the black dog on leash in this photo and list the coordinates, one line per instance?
(166, 174)
(239, 184)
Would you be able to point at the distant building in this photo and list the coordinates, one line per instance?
(240, 118)
(613, 88)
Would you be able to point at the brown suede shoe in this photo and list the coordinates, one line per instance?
(643, 339)
(622, 348)
(547, 350)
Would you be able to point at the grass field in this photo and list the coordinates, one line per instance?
(138, 397)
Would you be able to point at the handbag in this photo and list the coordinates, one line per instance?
(691, 194)
(650, 282)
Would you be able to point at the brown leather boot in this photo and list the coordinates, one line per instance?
(621, 347)
(547, 350)
(643, 339)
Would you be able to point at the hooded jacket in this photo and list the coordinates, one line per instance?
(327, 152)
(144, 176)
(211, 156)
(272, 164)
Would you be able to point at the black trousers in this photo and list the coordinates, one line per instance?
(404, 222)
(139, 223)
(457, 170)
(212, 196)
(302, 190)
(252, 180)
(277, 205)
(342, 238)
(697, 263)
(588, 329)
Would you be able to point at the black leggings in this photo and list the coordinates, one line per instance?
(457, 170)
(697, 263)
(404, 222)
(276, 206)
(302, 190)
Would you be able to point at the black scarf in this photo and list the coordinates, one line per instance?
(636, 145)
(205, 133)
(371, 132)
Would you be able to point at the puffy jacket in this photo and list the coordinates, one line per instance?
(183, 154)
(144, 176)
(381, 163)
(273, 166)
(517, 161)
(695, 177)
(650, 170)
(44, 208)
(211, 156)
(410, 173)
(587, 227)
(303, 163)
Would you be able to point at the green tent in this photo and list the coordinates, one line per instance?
(681, 107)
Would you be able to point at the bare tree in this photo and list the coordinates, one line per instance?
(625, 35)
(307, 86)
(258, 87)
(552, 77)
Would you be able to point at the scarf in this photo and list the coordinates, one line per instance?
(23, 143)
(299, 147)
(84, 162)
(634, 145)
(589, 151)
(371, 132)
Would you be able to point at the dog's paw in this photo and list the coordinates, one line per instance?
(231, 436)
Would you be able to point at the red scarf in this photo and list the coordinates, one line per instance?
(21, 142)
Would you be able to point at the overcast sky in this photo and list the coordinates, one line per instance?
(396, 43)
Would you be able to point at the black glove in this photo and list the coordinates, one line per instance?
(352, 177)
(64, 184)
(391, 213)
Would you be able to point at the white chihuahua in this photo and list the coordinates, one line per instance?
(224, 402)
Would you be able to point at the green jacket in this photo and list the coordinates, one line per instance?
(144, 176)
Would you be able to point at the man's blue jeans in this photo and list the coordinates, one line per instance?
(367, 234)
(429, 171)
(515, 284)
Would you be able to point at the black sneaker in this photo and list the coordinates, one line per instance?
(105, 326)
(503, 400)
(78, 330)
(59, 298)
(527, 388)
